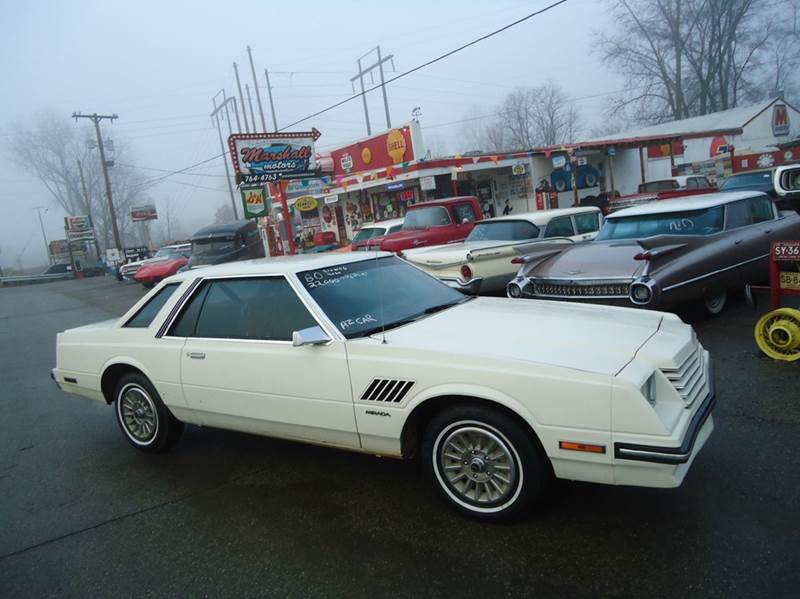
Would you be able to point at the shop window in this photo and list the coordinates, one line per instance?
(146, 314)
(587, 223)
(464, 212)
(559, 227)
(253, 308)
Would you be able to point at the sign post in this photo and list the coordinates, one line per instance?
(286, 217)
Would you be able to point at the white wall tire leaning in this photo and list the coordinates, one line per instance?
(143, 418)
(483, 463)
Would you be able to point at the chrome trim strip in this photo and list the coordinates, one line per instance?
(714, 272)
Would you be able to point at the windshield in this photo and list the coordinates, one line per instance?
(509, 230)
(432, 216)
(760, 181)
(688, 222)
(213, 245)
(166, 253)
(664, 185)
(369, 233)
(363, 297)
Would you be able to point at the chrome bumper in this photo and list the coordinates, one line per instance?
(472, 286)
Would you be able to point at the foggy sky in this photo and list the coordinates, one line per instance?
(157, 65)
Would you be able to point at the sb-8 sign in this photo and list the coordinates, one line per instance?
(786, 251)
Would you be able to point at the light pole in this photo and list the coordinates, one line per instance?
(44, 237)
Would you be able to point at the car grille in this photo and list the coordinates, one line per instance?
(612, 288)
(689, 378)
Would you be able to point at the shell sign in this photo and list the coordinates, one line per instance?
(306, 203)
(395, 145)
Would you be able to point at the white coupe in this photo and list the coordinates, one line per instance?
(371, 354)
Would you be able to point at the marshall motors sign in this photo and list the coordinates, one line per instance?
(268, 157)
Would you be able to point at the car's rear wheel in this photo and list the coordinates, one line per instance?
(715, 303)
(144, 419)
(483, 463)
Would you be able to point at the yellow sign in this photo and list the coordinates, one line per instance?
(366, 155)
(790, 280)
(396, 145)
(306, 203)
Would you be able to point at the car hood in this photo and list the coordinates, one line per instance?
(452, 253)
(597, 259)
(159, 264)
(568, 335)
(402, 239)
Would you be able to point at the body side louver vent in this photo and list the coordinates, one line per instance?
(387, 390)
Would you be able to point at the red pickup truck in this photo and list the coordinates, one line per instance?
(664, 189)
(433, 223)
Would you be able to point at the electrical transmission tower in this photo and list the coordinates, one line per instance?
(362, 72)
(96, 118)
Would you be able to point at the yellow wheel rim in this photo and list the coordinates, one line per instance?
(778, 334)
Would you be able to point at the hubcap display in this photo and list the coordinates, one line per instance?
(138, 414)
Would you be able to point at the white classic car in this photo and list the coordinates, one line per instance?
(369, 353)
(482, 263)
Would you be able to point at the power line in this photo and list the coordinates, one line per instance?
(439, 58)
(430, 62)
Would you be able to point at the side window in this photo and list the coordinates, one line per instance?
(396, 228)
(761, 209)
(703, 182)
(559, 227)
(185, 324)
(252, 308)
(737, 214)
(464, 211)
(587, 223)
(146, 314)
(691, 183)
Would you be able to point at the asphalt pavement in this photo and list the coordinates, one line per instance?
(228, 514)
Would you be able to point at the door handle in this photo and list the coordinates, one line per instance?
(737, 242)
(196, 355)
(768, 231)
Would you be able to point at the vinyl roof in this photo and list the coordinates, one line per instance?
(695, 202)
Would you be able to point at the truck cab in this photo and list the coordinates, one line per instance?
(433, 223)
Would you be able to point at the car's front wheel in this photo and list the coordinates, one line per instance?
(483, 462)
(144, 419)
(715, 303)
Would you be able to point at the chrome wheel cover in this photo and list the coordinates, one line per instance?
(137, 414)
(477, 466)
(715, 303)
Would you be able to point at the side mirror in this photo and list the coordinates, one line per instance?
(787, 179)
(310, 336)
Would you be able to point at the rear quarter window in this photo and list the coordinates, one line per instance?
(144, 317)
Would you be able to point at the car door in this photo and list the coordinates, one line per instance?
(747, 244)
(240, 370)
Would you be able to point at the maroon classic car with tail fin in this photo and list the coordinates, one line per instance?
(663, 254)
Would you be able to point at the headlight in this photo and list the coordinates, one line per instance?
(649, 389)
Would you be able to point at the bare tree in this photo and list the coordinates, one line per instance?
(527, 118)
(50, 148)
(683, 58)
(224, 214)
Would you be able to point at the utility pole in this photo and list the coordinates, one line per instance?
(364, 71)
(241, 99)
(250, 103)
(271, 102)
(41, 226)
(89, 209)
(258, 95)
(96, 118)
(215, 115)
